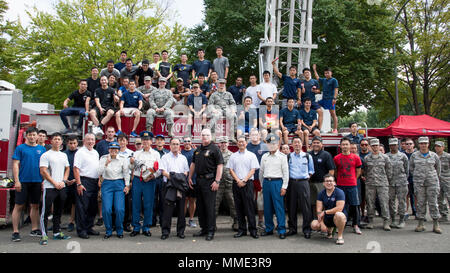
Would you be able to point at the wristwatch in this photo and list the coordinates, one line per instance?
(79, 185)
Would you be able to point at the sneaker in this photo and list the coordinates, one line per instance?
(36, 233)
(16, 237)
(192, 223)
(66, 131)
(133, 134)
(70, 227)
(261, 224)
(43, 241)
(99, 222)
(98, 132)
(60, 236)
(357, 230)
(118, 133)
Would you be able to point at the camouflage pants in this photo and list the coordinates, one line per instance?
(427, 195)
(398, 193)
(444, 197)
(230, 118)
(383, 195)
(151, 113)
(226, 189)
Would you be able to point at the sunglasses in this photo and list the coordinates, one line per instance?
(364, 145)
(138, 144)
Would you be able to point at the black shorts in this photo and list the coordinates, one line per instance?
(106, 111)
(328, 220)
(312, 130)
(292, 128)
(30, 191)
(191, 193)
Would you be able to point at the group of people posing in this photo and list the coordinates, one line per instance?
(262, 178)
(200, 93)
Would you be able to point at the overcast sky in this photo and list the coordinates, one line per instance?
(190, 12)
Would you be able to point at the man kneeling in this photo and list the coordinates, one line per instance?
(330, 210)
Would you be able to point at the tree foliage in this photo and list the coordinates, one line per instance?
(8, 52)
(62, 49)
(238, 26)
(424, 55)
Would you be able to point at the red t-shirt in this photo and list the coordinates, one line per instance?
(346, 169)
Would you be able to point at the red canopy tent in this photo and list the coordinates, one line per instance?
(414, 126)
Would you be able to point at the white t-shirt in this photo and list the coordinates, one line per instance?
(251, 91)
(56, 163)
(87, 161)
(267, 89)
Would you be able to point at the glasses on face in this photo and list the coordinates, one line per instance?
(364, 145)
(137, 144)
(329, 181)
(409, 143)
(187, 141)
(195, 87)
(175, 144)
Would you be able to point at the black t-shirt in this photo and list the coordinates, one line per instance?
(323, 163)
(206, 159)
(165, 68)
(106, 97)
(93, 84)
(79, 99)
(141, 74)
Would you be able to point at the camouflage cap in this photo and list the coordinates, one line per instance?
(393, 141)
(423, 140)
(374, 141)
(439, 143)
(162, 79)
(222, 139)
(147, 78)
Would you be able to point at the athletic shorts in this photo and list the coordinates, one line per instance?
(327, 104)
(30, 191)
(328, 220)
(292, 128)
(314, 105)
(106, 111)
(312, 130)
(129, 111)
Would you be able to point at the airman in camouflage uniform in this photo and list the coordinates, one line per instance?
(398, 188)
(146, 90)
(444, 180)
(378, 171)
(226, 183)
(425, 167)
(221, 104)
(161, 98)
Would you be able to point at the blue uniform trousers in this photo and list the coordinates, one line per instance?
(142, 192)
(112, 194)
(274, 203)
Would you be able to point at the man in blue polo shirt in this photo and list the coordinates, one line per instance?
(310, 87)
(130, 104)
(330, 210)
(290, 121)
(237, 91)
(330, 92)
(291, 84)
(309, 122)
(201, 66)
(28, 181)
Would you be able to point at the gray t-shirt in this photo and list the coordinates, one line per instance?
(128, 74)
(219, 65)
(106, 73)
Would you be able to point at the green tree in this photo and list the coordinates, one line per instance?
(8, 51)
(61, 49)
(424, 55)
(238, 26)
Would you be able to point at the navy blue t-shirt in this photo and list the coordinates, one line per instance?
(290, 87)
(205, 87)
(259, 150)
(308, 117)
(197, 102)
(119, 66)
(329, 202)
(308, 89)
(29, 157)
(183, 71)
(131, 99)
(202, 67)
(289, 117)
(237, 93)
(328, 86)
(102, 147)
(70, 155)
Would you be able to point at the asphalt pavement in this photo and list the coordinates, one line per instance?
(377, 240)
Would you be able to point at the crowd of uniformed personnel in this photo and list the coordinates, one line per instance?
(263, 178)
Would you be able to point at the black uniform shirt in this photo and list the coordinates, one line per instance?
(206, 159)
(323, 163)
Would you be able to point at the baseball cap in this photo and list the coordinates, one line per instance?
(222, 139)
(159, 136)
(145, 135)
(374, 141)
(439, 143)
(113, 145)
(147, 78)
(423, 140)
(180, 80)
(222, 81)
(393, 141)
(317, 138)
(162, 79)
